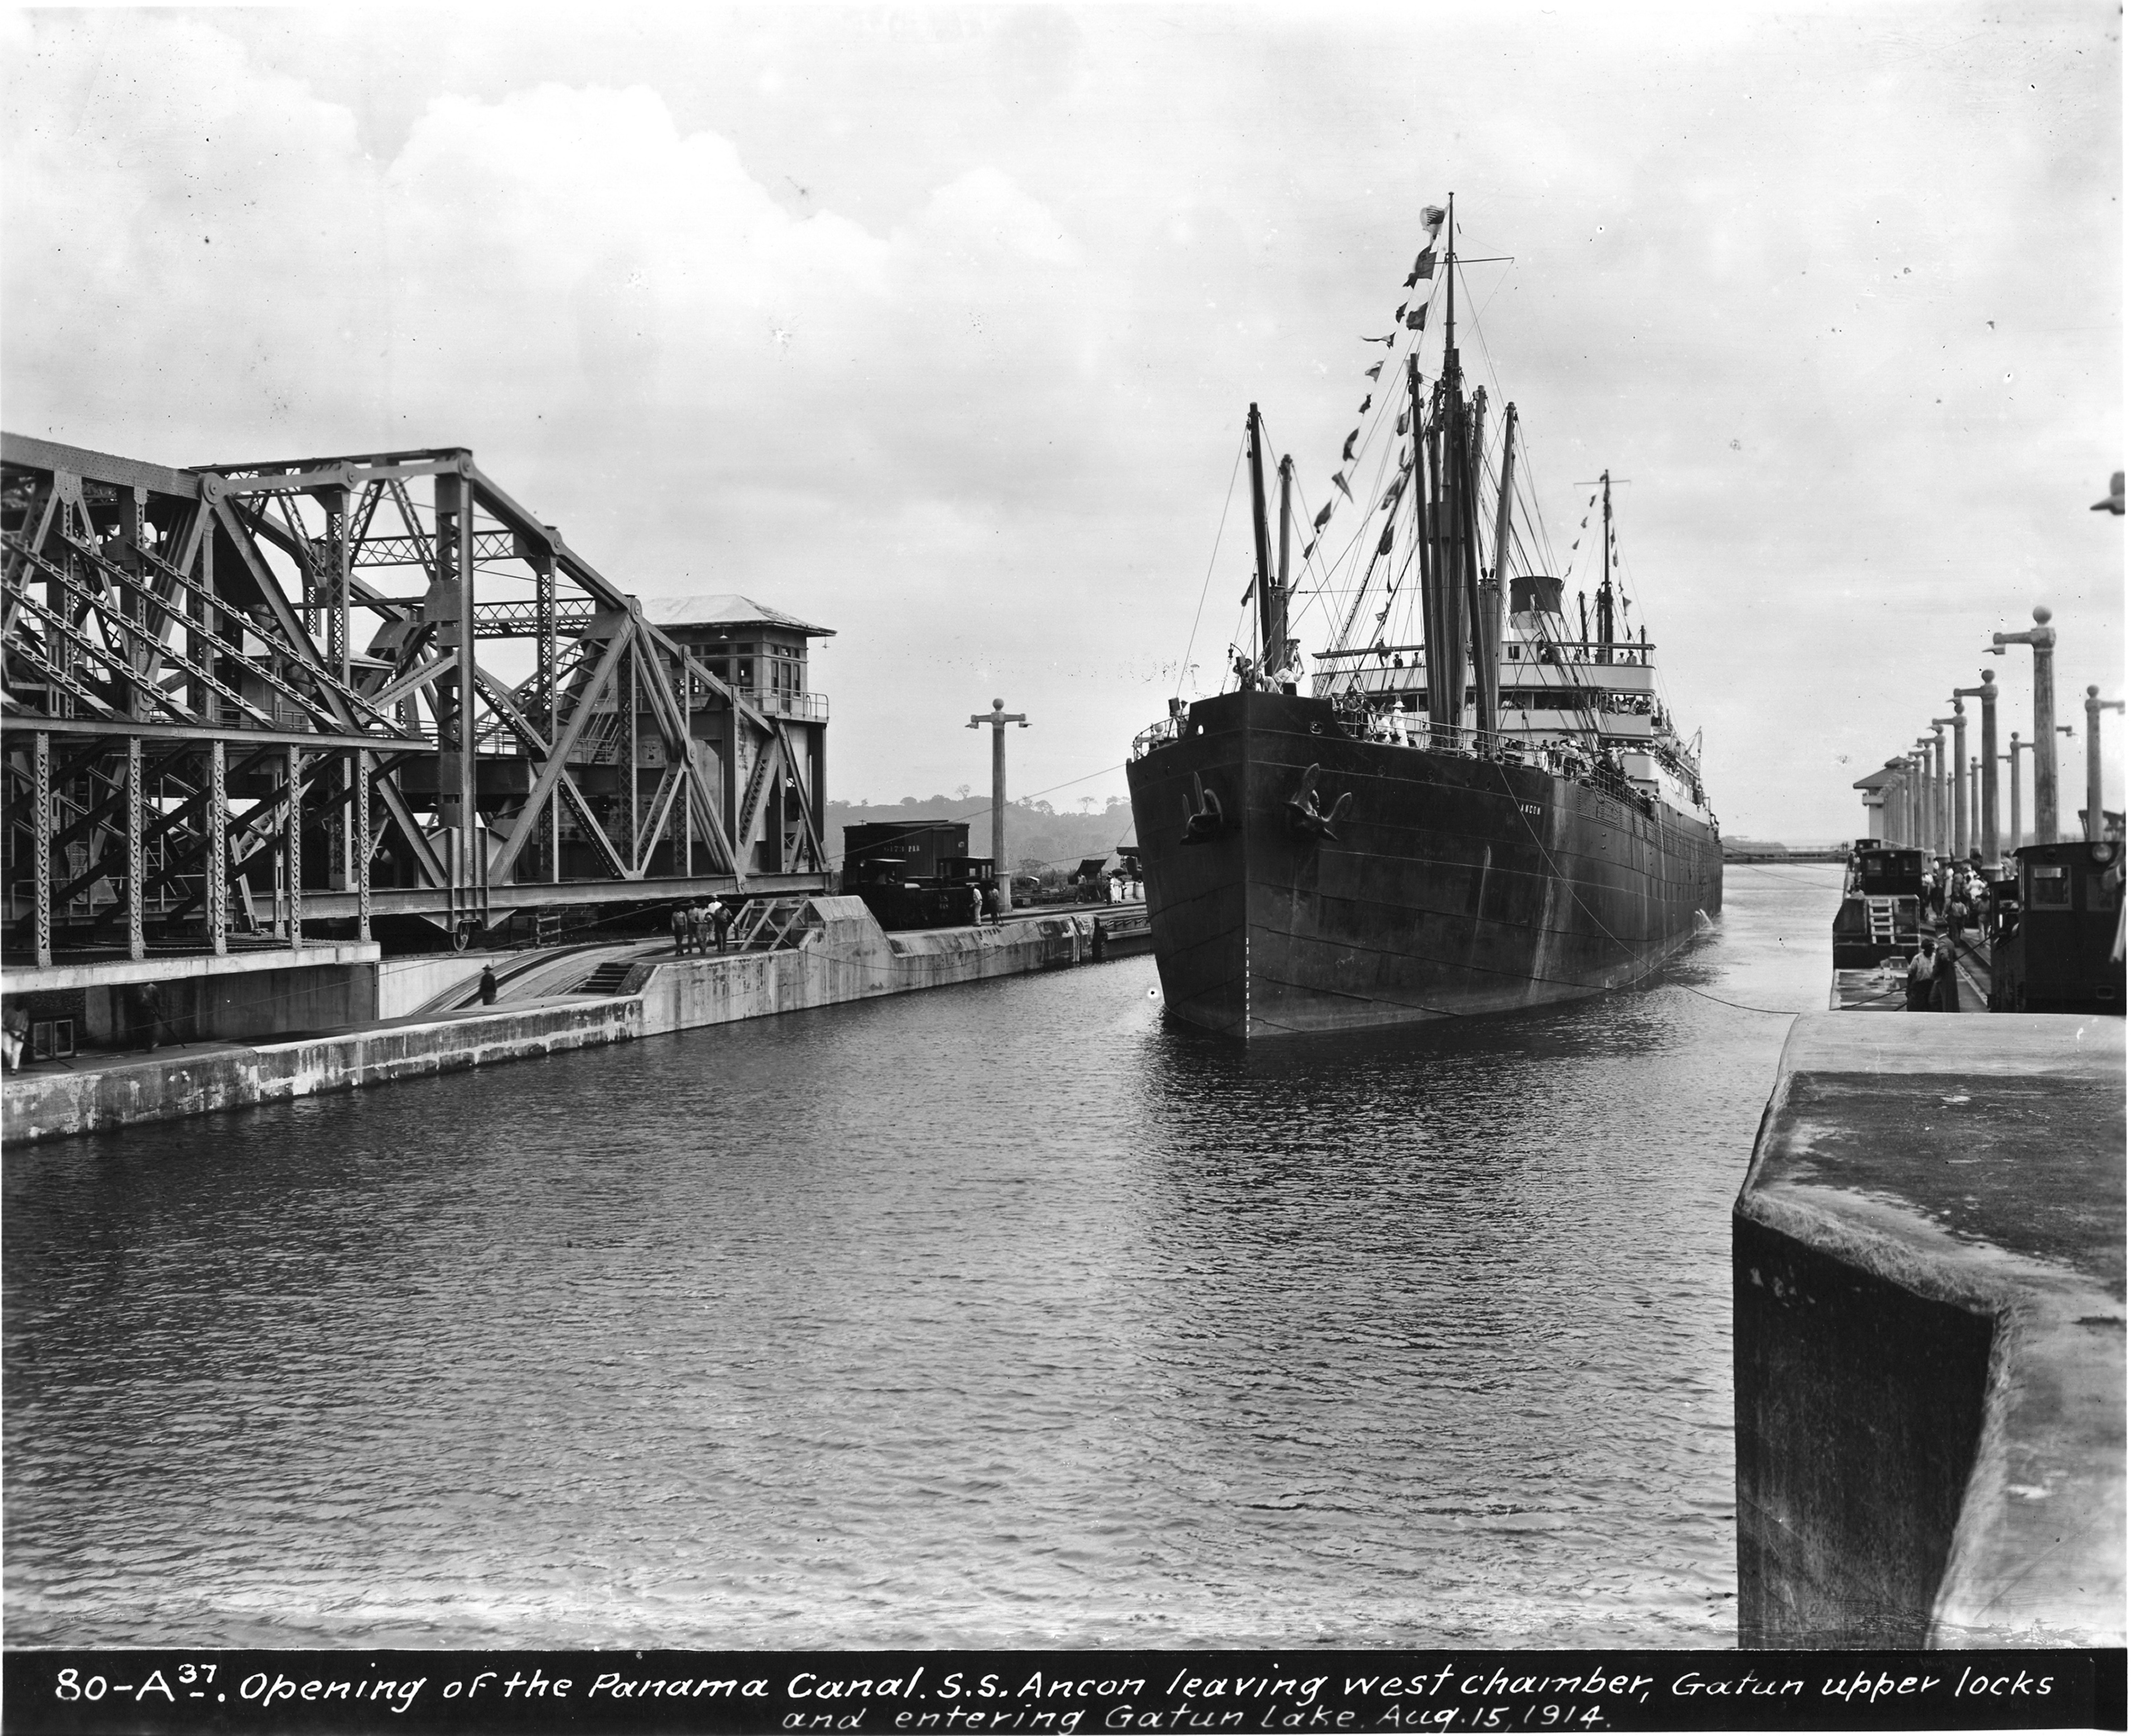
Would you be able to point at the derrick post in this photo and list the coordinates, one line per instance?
(2095, 705)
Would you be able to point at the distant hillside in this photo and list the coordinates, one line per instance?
(1038, 835)
(1759, 849)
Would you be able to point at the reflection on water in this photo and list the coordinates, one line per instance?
(1010, 1314)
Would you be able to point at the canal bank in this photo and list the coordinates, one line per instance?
(832, 950)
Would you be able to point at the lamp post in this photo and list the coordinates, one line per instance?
(1942, 786)
(2043, 637)
(1986, 807)
(1960, 722)
(2012, 759)
(1927, 801)
(999, 717)
(2095, 705)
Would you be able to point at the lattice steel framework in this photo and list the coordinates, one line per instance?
(215, 675)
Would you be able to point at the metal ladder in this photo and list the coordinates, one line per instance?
(1880, 917)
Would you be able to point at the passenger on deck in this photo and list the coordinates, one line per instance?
(1945, 979)
(721, 920)
(678, 922)
(1921, 968)
(976, 906)
(991, 904)
(488, 985)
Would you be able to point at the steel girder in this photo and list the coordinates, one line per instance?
(167, 632)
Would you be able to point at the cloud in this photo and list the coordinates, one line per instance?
(940, 326)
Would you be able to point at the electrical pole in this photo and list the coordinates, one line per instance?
(999, 717)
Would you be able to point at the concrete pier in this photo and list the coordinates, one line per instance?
(842, 954)
(1929, 1307)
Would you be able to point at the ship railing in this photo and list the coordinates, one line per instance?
(1169, 729)
(1620, 653)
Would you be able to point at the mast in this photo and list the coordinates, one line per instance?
(1264, 585)
(1473, 438)
(1606, 572)
(1423, 483)
(1276, 616)
(1492, 592)
(1446, 700)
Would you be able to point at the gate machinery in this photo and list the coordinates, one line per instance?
(252, 705)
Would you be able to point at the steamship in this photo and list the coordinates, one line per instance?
(1476, 805)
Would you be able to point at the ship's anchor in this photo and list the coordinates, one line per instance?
(1304, 818)
(1203, 822)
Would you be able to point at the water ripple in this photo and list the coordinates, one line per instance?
(1008, 1315)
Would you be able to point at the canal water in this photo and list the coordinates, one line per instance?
(1009, 1314)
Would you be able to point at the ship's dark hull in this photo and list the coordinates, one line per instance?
(1454, 886)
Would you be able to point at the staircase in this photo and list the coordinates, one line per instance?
(608, 979)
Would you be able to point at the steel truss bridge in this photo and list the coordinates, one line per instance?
(244, 704)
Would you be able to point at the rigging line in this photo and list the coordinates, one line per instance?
(1183, 668)
(1773, 1012)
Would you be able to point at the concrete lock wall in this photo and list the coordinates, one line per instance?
(166, 1086)
(1859, 1408)
(1929, 1312)
(846, 956)
(843, 955)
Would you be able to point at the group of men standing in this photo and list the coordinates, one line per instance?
(1954, 894)
(696, 925)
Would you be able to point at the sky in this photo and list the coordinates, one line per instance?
(936, 325)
